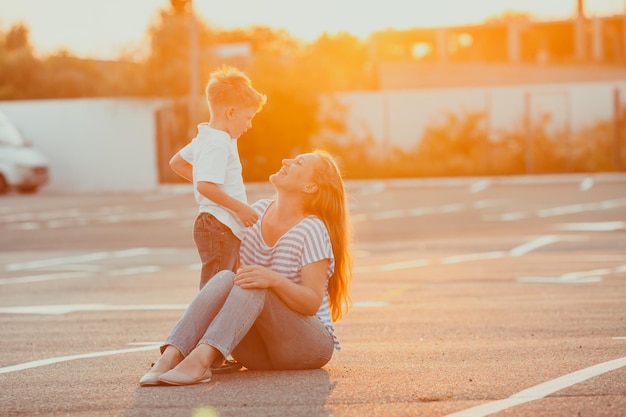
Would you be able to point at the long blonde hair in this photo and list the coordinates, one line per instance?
(329, 203)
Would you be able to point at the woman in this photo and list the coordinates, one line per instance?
(277, 311)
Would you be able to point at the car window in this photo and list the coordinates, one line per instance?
(9, 135)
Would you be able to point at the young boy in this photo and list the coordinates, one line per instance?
(211, 162)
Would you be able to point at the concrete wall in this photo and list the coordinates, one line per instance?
(399, 118)
(92, 144)
(110, 144)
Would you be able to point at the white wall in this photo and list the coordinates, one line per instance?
(92, 144)
(401, 117)
(110, 144)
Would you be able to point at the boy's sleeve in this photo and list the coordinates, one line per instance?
(210, 160)
(187, 153)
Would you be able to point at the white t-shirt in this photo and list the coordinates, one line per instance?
(215, 158)
(305, 243)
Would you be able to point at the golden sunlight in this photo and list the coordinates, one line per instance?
(106, 28)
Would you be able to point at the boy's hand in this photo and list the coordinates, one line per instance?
(247, 215)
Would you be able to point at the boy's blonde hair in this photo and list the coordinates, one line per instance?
(229, 86)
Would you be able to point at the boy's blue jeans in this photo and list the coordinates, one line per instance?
(217, 246)
(255, 326)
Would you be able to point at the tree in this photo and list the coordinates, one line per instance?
(18, 66)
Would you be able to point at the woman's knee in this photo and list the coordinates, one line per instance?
(248, 294)
(223, 278)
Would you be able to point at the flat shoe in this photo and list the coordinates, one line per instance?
(150, 379)
(228, 366)
(175, 377)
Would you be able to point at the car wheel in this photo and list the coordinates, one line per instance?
(27, 189)
(4, 186)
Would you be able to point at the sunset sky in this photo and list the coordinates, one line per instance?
(105, 28)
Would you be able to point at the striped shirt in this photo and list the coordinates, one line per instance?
(305, 243)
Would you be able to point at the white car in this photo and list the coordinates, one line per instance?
(22, 167)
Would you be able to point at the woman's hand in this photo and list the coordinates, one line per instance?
(255, 276)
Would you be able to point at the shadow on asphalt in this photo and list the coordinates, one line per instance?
(242, 393)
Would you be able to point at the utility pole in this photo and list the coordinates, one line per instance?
(580, 33)
(193, 72)
(185, 7)
(617, 130)
(624, 33)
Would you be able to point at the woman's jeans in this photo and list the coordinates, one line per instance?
(217, 246)
(255, 326)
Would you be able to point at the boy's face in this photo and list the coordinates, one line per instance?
(240, 120)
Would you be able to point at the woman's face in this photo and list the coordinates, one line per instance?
(296, 173)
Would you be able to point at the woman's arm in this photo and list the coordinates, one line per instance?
(304, 298)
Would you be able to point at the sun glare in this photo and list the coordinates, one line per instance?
(421, 49)
(105, 27)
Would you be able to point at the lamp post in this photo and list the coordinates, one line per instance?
(186, 7)
(579, 31)
(193, 71)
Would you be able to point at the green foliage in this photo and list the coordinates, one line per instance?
(295, 77)
(459, 145)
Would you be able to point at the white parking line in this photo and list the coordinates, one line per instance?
(561, 210)
(532, 245)
(581, 208)
(421, 211)
(595, 275)
(96, 256)
(593, 226)
(542, 390)
(50, 361)
(586, 184)
(43, 277)
(75, 308)
(147, 269)
(469, 257)
(480, 185)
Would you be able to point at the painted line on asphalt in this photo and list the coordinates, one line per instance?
(581, 208)
(403, 265)
(147, 269)
(558, 280)
(561, 210)
(582, 277)
(480, 185)
(542, 390)
(75, 308)
(592, 226)
(421, 211)
(520, 250)
(532, 245)
(43, 277)
(89, 257)
(51, 361)
(469, 257)
(586, 184)
(54, 310)
(370, 304)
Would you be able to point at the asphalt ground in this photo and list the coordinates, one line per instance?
(472, 296)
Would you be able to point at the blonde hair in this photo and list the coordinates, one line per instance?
(229, 86)
(329, 203)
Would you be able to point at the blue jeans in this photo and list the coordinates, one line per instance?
(217, 246)
(255, 326)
